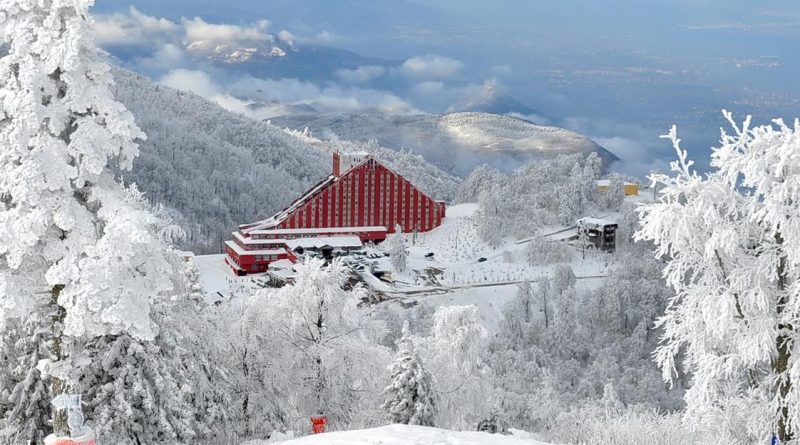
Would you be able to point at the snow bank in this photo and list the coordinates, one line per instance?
(407, 435)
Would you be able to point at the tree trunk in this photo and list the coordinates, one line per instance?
(58, 386)
(320, 383)
(780, 366)
(781, 363)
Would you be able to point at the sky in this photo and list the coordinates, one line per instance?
(619, 71)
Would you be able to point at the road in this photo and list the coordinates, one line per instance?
(440, 290)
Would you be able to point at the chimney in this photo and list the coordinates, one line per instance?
(337, 164)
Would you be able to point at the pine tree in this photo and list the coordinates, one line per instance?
(24, 390)
(78, 254)
(409, 398)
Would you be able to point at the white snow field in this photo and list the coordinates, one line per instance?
(408, 435)
(463, 279)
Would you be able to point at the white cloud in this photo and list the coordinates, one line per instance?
(249, 90)
(195, 81)
(332, 98)
(361, 74)
(322, 38)
(427, 88)
(167, 57)
(431, 67)
(200, 34)
(286, 36)
(200, 83)
(134, 28)
(640, 149)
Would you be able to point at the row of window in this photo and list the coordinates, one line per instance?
(351, 184)
(260, 258)
(351, 200)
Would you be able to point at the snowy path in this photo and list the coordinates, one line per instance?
(439, 290)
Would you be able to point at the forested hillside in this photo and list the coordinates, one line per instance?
(214, 169)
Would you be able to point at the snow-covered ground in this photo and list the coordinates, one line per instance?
(408, 435)
(463, 270)
(216, 276)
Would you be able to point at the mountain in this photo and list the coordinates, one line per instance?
(492, 100)
(455, 142)
(277, 59)
(213, 169)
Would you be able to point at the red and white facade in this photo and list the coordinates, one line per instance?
(361, 197)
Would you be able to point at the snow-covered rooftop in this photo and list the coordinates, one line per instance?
(281, 264)
(246, 240)
(320, 241)
(283, 214)
(319, 230)
(589, 221)
(607, 183)
(240, 251)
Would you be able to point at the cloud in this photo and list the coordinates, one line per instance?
(200, 83)
(246, 92)
(195, 81)
(167, 57)
(169, 51)
(330, 98)
(200, 34)
(775, 28)
(427, 88)
(134, 28)
(431, 67)
(286, 36)
(361, 74)
(321, 38)
(639, 149)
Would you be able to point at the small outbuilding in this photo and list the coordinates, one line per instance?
(630, 188)
(598, 233)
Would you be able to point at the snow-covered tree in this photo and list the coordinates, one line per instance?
(615, 195)
(483, 179)
(327, 348)
(173, 388)
(79, 256)
(250, 355)
(553, 191)
(398, 252)
(541, 251)
(518, 315)
(731, 240)
(409, 398)
(24, 390)
(455, 356)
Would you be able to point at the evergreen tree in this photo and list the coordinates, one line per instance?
(24, 390)
(79, 254)
(409, 398)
